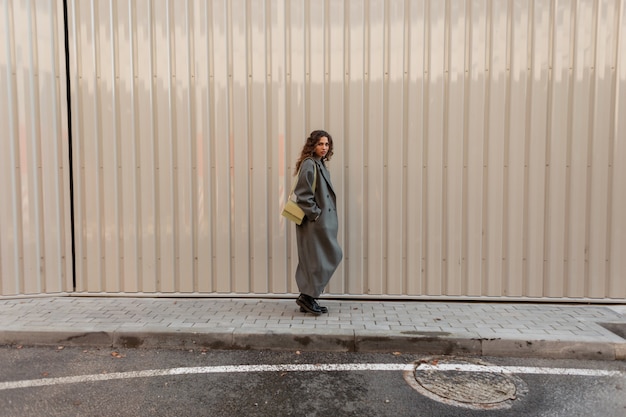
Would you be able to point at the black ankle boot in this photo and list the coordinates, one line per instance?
(323, 309)
(308, 304)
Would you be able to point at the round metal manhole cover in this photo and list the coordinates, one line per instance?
(465, 383)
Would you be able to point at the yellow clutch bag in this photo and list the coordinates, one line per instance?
(291, 210)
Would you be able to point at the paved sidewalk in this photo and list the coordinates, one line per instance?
(462, 328)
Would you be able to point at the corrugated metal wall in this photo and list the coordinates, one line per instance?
(480, 144)
(35, 236)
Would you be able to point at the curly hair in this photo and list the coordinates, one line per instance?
(309, 147)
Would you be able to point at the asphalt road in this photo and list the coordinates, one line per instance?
(99, 382)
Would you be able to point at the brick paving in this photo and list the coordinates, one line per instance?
(475, 328)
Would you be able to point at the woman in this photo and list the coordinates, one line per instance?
(319, 253)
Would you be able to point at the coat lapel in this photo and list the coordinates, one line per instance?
(321, 169)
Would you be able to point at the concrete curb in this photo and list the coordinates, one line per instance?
(423, 344)
(552, 349)
(56, 338)
(323, 340)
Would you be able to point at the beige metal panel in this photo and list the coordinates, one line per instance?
(515, 155)
(374, 239)
(463, 132)
(336, 116)
(11, 272)
(128, 145)
(145, 104)
(240, 153)
(578, 163)
(315, 19)
(296, 108)
(221, 162)
(29, 150)
(395, 146)
(617, 264)
(279, 158)
(177, 149)
(455, 146)
(414, 201)
(110, 148)
(352, 207)
(498, 20)
(85, 107)
(301, 115)
(434, 148)
(87, 254)
(35, 243)
(185, 147)
(202, 124)
(110, 182)
(55, 164)
(54, 170)
(476, 99)
(556, 205)
(603, 93)
(260, 152)
(166, 112)
(537, 140)
(182, 150)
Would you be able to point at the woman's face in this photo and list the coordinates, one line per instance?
(321, 149)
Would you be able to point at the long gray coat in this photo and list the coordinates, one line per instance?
(319, 253)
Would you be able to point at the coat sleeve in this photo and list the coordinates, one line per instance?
(305, 196)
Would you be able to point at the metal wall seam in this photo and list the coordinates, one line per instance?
(54, 160)
(76, 168)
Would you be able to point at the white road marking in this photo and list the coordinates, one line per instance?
(519, 370)
(348, 367)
